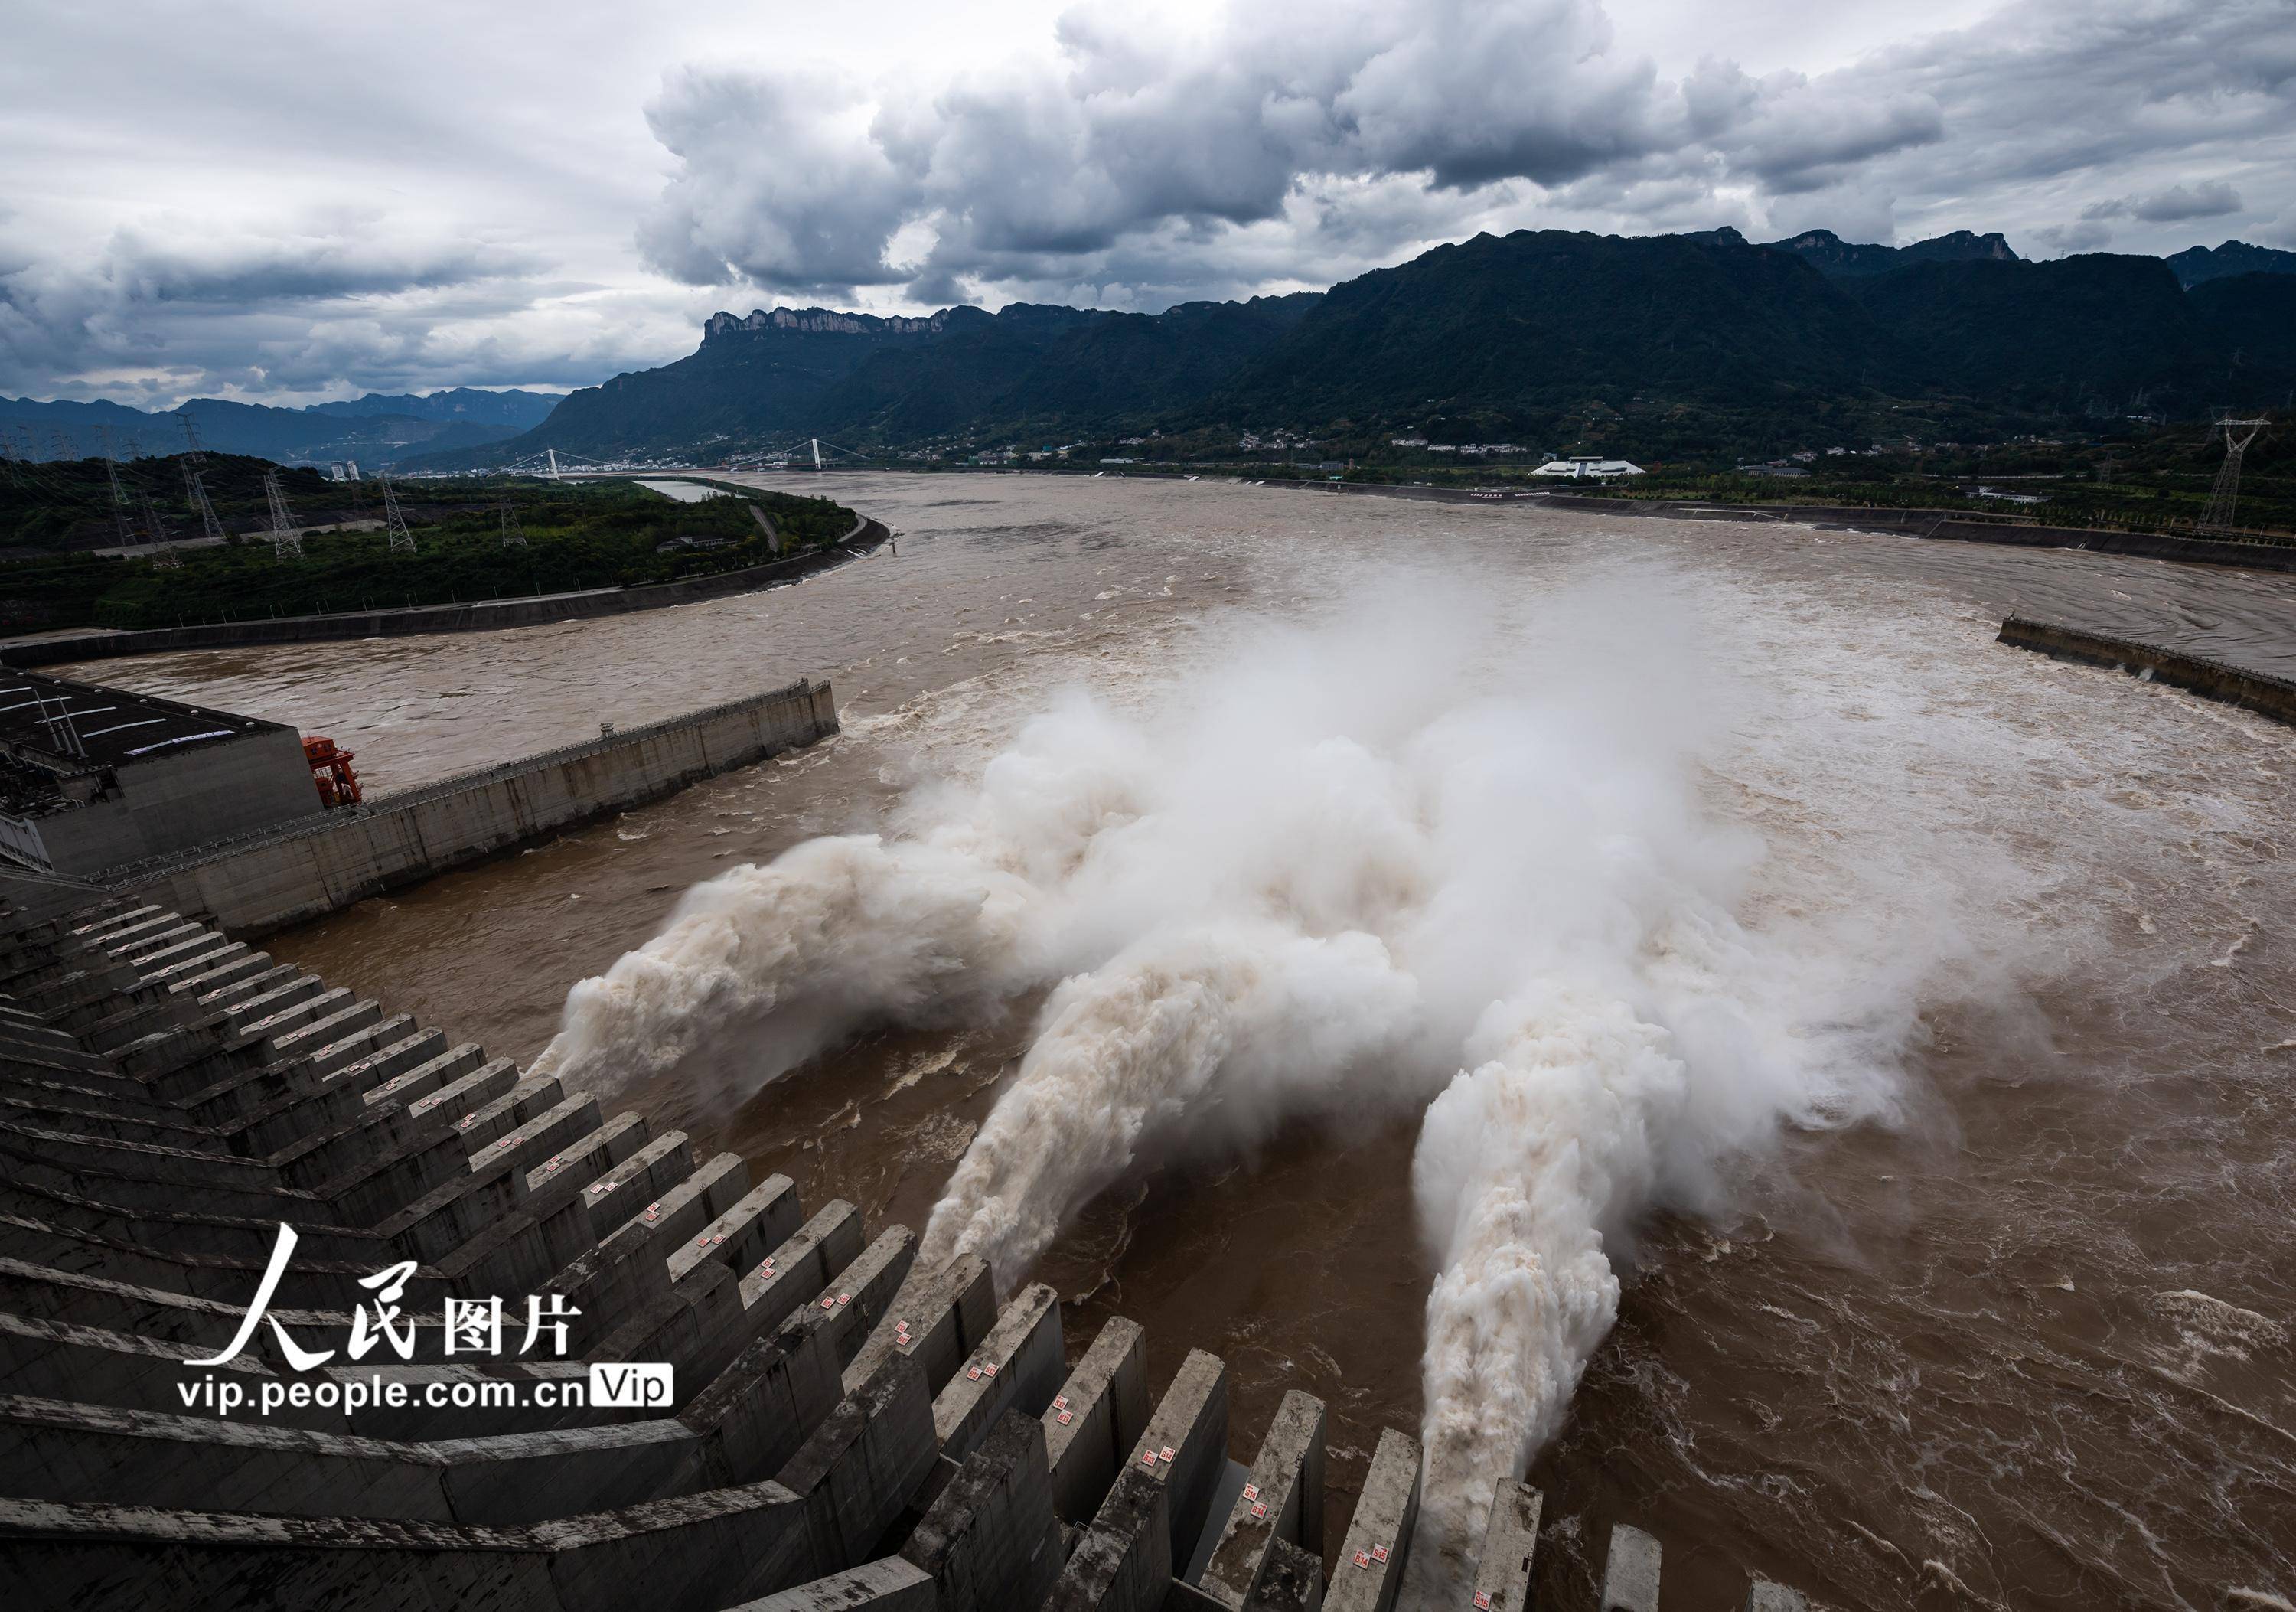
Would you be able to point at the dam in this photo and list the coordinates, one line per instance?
(851, 1428)
(1779, 1371)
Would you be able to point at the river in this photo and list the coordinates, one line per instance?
(1987, 1305)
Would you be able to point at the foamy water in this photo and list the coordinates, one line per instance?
(1831, 1057)
(1437, 851)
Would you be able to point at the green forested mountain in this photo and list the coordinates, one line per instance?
(2196, 263)
(1537, 323)
(374, 428)
(813, 372)
(1830, 254)
(1702, 339)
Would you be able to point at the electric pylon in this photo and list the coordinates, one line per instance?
(163, 553)
(118, 494)
(2224, 498)
(513, 535)
(191, 449)
(197, 480)
(402, 542)
(285, 540)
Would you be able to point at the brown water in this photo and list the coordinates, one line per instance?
(2027, 1347)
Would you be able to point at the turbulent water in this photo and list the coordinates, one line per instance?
(1673, 1005)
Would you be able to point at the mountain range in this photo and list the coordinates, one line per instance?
(1693, 343)
(376, 428)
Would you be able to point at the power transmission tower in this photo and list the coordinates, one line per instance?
(8, 450)
(285, 540)
(196, 480)
(118, 494)
(402, 542)
(2224, 499)
(513, 535)
(163, 553)
(191, 449)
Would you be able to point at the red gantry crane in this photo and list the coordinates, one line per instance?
(331, 771)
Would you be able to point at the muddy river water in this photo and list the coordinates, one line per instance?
(1944, 1136)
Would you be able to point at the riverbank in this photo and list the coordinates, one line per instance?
(489, 615)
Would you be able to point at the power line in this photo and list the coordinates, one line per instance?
(285, 540)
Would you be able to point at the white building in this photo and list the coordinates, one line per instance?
(1589, 467)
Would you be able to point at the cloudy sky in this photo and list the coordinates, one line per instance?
(283, 203)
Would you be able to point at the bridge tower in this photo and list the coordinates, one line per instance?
(816, 453)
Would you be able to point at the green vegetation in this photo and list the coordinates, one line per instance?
(1674, 347)
(577, 535)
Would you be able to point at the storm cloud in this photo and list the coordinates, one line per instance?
(1133, 153)
(273, 202)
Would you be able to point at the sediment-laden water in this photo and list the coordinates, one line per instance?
(1674, 1002)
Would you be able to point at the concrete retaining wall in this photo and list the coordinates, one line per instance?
(2272, 696)
(266, 882)
(487, 616)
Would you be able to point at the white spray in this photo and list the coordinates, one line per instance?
(1447, 853)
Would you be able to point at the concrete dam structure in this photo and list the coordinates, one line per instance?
(839, 1428)
(256, 883)
(843, 1426)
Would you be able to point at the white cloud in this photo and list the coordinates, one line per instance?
(260, 199)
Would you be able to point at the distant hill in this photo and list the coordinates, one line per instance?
(463, 404)
(371, 429)
(1539, 324)
(813, 372)
(1830, 254)
(1701, 339)
(2196, 263)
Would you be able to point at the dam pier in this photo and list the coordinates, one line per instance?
(839, 1427)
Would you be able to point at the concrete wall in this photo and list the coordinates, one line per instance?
(267, 881)
(170, 802)
(478, 616)
(2269, 695)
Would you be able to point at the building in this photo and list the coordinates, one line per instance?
(93, 778)
(1589, 467)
